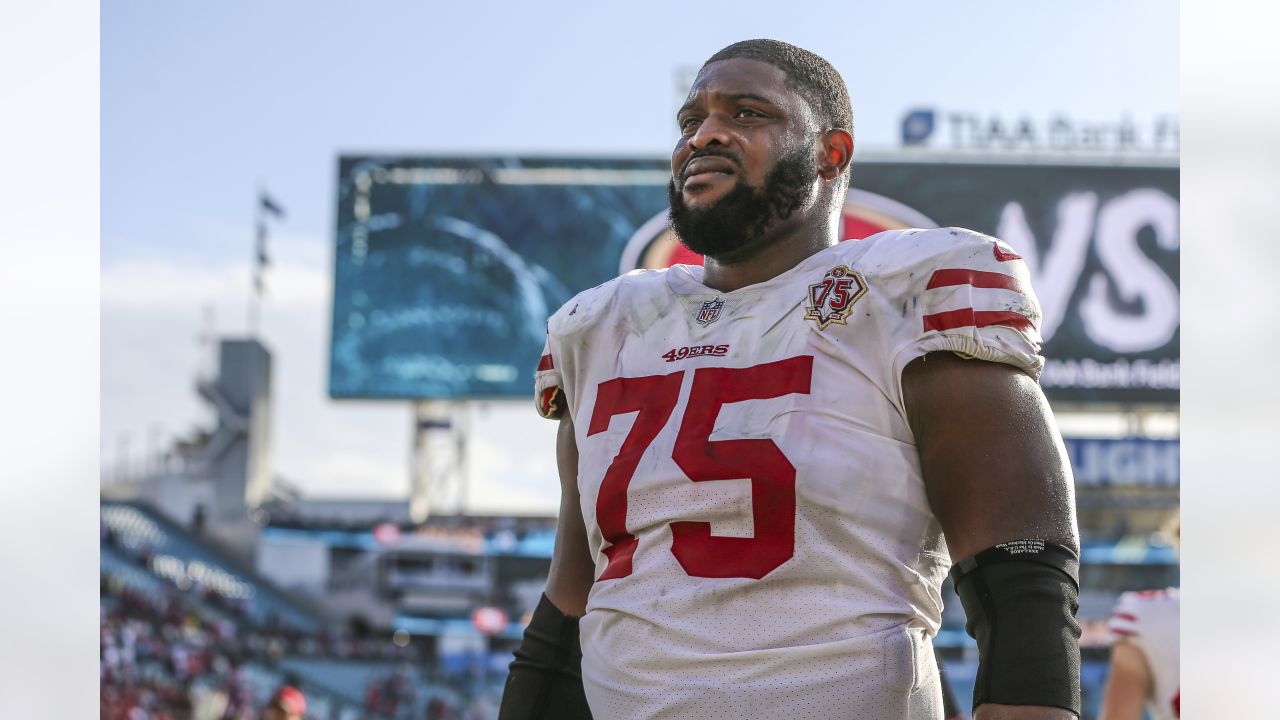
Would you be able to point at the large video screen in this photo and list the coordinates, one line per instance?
(447, 268)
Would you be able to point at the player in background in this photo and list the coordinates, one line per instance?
(760, 457)
(286, 703)
(1144, 652)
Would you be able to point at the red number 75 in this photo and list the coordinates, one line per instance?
(773, 477)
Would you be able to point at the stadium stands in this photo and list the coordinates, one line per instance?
(187, 632)
(173, 553)
(258, 636)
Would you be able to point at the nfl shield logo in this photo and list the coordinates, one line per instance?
(709, 312)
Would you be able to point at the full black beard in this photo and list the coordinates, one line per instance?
(740, 218)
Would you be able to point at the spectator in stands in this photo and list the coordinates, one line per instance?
(287, 703)
(197, 521)
(373, 696)
(438, 709)
(239, 695)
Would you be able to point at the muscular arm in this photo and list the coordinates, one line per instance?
(1128, 683)
(572, 570)
(994, 466)
(545, 681)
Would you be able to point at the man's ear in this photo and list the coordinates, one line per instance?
(835, 150)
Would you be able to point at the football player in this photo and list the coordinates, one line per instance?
(770, 463)
(1144, 654)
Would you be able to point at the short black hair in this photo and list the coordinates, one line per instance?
(808, 73)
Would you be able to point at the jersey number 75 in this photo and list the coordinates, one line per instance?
(773, 477)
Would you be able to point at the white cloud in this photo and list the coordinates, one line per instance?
(512, 460)
(166, 287)
(152, 316)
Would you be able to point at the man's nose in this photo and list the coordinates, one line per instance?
(711, 131)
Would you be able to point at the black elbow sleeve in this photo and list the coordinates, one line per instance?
(545, 679)
(1021, 599)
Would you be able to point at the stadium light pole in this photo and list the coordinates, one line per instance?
(265, 208)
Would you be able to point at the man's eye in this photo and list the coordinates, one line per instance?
(689, 123)
(749, 112)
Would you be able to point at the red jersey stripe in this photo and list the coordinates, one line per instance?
(547, 403)
(545, 363)
(1125, 616)
(1121, 631)
(968, 317)
(947, 277)
(1003, 256)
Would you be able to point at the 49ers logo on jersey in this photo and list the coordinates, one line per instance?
(831, 300)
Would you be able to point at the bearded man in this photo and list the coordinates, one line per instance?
(770, 463)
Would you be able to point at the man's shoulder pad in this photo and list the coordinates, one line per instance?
(586, 308)
(897, 250)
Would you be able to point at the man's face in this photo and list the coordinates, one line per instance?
(746, 157)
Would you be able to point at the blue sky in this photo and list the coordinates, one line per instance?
(201, 104)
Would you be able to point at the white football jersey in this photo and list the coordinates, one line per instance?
(1149, 620)
(750, 486)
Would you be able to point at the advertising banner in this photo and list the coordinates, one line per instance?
(447, 268)
(1102, 247)
(1131, 461)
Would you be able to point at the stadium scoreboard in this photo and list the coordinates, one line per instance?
(447, 268)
